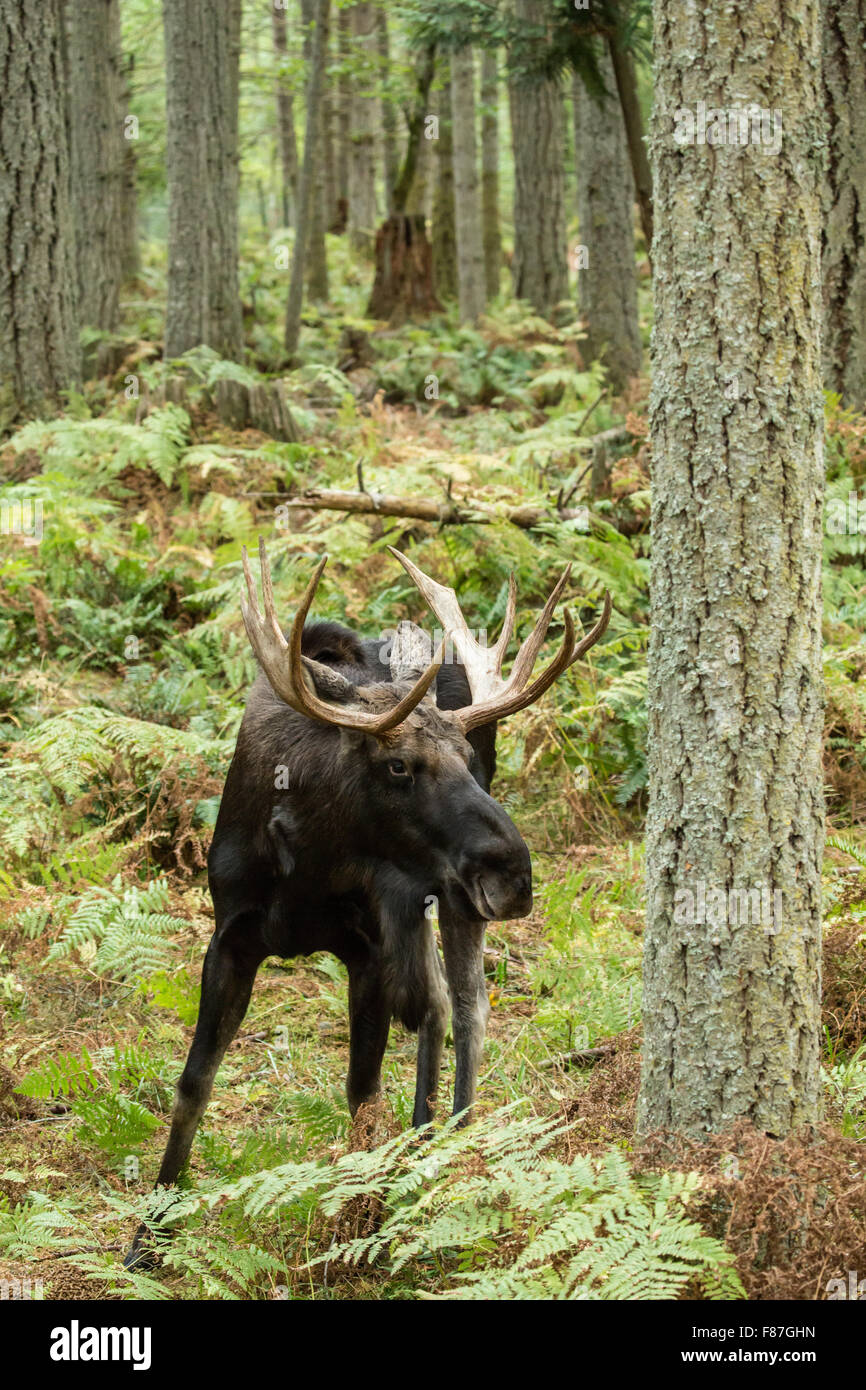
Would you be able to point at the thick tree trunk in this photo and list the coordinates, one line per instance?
(202, 45)
(285, 117)
(735, 826)
(307, 188)
(540, 266)
(403, 287)
(844, 249)
(96, 157)
(467, 190)
(490, 171)
(444, 236)
(362, 142)
(39, 355)
(607, 284)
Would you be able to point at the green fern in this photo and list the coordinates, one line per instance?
(120, 931)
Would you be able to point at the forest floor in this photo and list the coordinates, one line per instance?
(123, 688)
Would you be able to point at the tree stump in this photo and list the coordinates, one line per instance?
(403, 287)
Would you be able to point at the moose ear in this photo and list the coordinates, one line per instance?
(411, 652)
(329, 684)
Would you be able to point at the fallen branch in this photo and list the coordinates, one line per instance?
(448, 512)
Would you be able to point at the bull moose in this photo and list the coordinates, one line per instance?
(383, 804)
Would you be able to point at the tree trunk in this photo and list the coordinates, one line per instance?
(417, 198)
(39, 355)
(307, 188)
(130, 255)
(202, 45)
(404, 180)
(389, 109)
(285, 117)
(316, 258)
(540, 266)
(403, 287)
(467, 191)
(444, 235)
(844, 248)
(607, 284)
(490, 171)
(626, 84)
(96, 157)
(732, 952)
(362, 142)
(330, 202)
(343, 123)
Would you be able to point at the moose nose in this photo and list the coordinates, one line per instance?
(496, 871)
(500, 897)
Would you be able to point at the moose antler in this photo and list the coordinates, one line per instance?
(493, 696)
(290, 673)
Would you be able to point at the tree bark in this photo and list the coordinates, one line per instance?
(96, 157)
(540, 265)
(307, 189)
(202, 44)
(607, 285)
(362, 142)
(39, 356)
(331, 199)
(130, 254)
(490, 171)
(285, 117)
(343, 125)
(732, 1006)
(405, 177)
(389, 110)
(844, 246)
(467, 190)
(444, 236)
(626, 84)
(316, 256)
(403, 286)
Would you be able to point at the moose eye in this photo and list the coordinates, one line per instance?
(398, 768)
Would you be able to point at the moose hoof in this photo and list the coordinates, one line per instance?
(141, 1255)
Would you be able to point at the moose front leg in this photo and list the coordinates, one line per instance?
(227, 981)
(431, 1034)
(463, 948)
(369, 1022)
